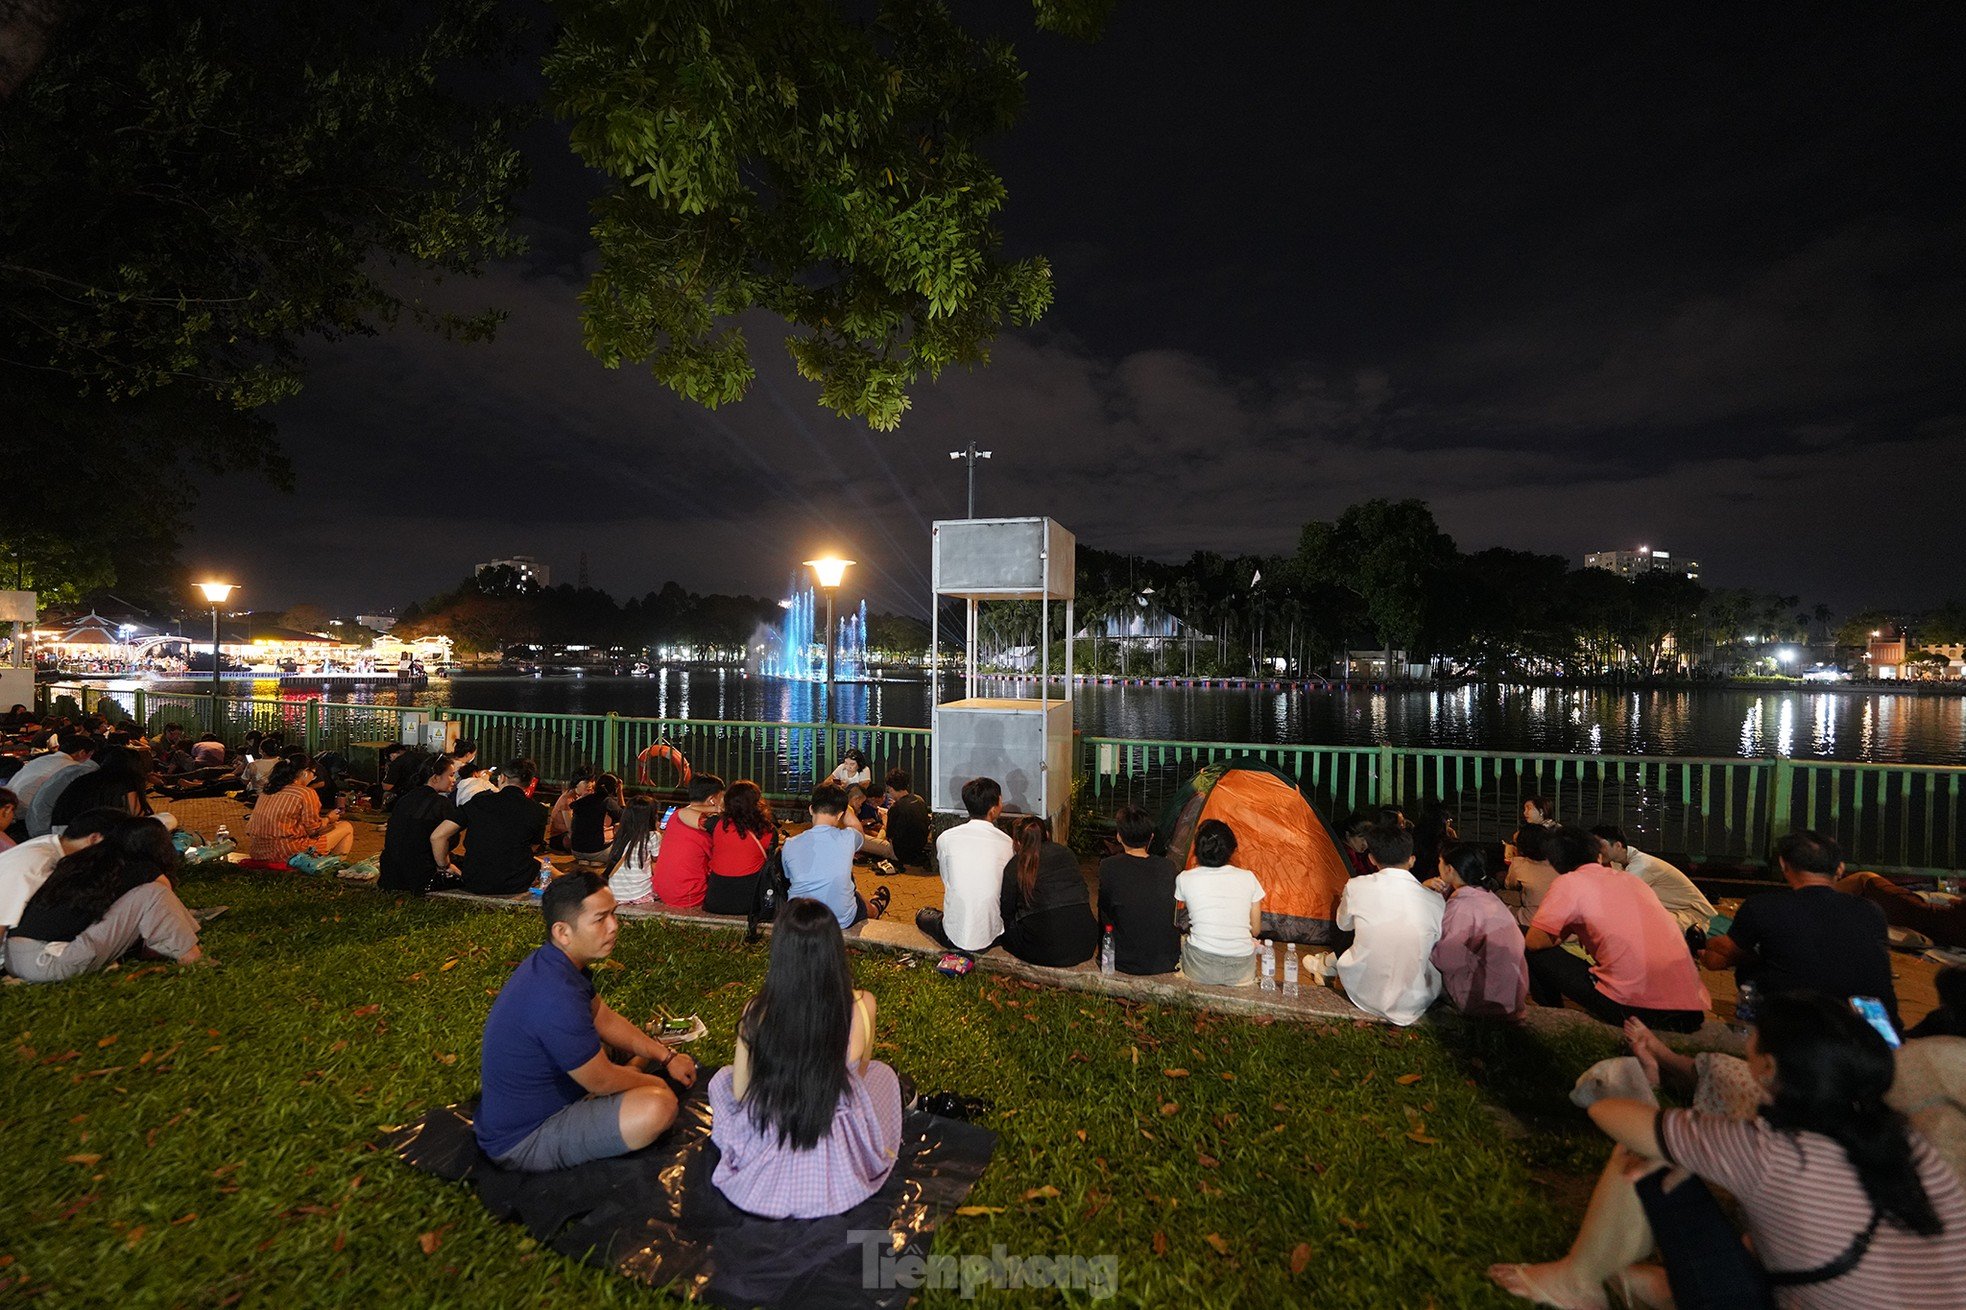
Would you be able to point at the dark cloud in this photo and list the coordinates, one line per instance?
(1580, 282)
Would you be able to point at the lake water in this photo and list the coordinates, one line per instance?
(1873, 726)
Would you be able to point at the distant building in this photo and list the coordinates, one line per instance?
(1887, 654)
(377, 622)
(525, 566)
(1631, 563)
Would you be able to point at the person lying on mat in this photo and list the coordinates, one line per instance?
(554, 1096)
(808, 1123)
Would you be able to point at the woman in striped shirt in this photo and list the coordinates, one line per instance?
(287, 818)
(1845, 1204)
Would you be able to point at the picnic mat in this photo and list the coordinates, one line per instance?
(654, 1215)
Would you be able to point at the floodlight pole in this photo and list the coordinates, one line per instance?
(971, 454)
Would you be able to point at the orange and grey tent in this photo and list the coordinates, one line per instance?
(1280, 837)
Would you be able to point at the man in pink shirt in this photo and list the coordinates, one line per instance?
(1643, 968)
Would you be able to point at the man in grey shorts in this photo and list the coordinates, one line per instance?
(554, 1095)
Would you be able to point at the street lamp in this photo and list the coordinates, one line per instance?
(215, 593)
(829, 569)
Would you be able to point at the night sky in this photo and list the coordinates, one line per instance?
(1687, 277)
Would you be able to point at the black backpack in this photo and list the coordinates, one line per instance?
(773, 890)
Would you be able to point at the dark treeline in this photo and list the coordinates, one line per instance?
(1383, 576)
(498, 609)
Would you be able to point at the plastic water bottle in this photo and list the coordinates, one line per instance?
(1268, 982)
(545, 877)
(1106, 964)
(223, 834)
(1290, 969)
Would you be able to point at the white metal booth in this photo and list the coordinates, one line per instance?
(1024, 743)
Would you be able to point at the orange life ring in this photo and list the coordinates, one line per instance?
(662, 750)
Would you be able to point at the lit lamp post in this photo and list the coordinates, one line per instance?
(215, 592)
(829, 569)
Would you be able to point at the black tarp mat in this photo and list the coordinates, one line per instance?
(655, 1216)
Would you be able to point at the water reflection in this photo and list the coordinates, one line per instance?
(1879, 726)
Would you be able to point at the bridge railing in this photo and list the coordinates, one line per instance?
(1885, 816)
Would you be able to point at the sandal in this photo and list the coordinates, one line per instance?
(877, 904)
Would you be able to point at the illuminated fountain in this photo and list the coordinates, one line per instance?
(796, 652)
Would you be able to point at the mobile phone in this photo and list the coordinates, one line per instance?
(667, 815)
(1871, 1011)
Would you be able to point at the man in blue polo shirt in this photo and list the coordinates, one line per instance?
(554, 1096)
(819, 861)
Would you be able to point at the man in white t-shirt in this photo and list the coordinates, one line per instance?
(37, 771)
(25, 867)
(1225, 910)
(1685, 902)
(1389, 968)
(972, 859)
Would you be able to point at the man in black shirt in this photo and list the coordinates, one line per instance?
(907, 821)
(416, 847)
(503, 832)
(1136, 900)
(1811, 938)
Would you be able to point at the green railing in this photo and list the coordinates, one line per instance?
(1892, 816)
(1886, 816)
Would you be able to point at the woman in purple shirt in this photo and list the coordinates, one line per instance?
(1483, 968)
(807, 1121)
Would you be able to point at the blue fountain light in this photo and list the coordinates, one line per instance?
(795, 652)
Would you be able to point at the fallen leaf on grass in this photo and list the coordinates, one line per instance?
(1046, 1193)
(1417, 1136)
(1355, 1225)
(1171, 1107)
(1081, 1134)
(1407, 1079)
(1160, 1242)
(85, 1157)
(979, 1209)
(1300, 1257)
(1205, 1160)
(135, 1236)
(447, 1059)
(448, 965)
(1175, 1073)
(340, 1240)
(107, 1041)
(1217, 1241)
(185, 1219)
(364, 1011)
(429, 1242)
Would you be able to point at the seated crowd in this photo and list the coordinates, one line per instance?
(1841, 1156)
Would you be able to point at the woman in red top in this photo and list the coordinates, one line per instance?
(740, 839)
(682, 866)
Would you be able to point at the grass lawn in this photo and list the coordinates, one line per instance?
(201, 1136)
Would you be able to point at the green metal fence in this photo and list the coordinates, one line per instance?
(1892, 816)
(1886, 816)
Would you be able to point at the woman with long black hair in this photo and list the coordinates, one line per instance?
(741, 840)
(99, 902)
(808, 1122)
(631, 859)
(1845, 1204)
(1047, 912)
(288, 819)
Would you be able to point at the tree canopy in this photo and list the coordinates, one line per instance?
(794, 158)
(195, 187)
